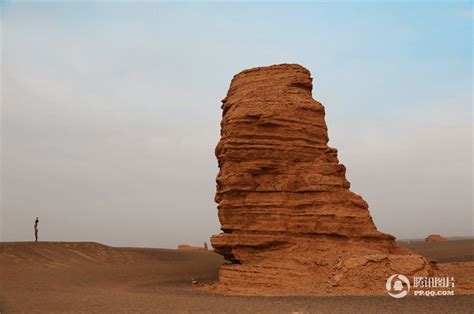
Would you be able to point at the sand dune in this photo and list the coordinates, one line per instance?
(91, 277)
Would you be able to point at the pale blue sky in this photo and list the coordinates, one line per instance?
(111, 111)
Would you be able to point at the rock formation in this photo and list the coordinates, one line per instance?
(435, 238)
(185, 247)
(290, 224)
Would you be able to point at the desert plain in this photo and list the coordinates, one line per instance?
(47, 277)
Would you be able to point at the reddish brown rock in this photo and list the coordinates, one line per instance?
(185, 247)
(290, 224)
(435, 238)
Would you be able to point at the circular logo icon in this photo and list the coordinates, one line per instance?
(397, 286)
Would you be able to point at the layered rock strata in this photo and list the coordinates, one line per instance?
(435, 238)
(290, 224)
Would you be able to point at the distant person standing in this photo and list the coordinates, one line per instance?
(36, 229)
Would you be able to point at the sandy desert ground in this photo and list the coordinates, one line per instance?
(91, 277)
(444, 252)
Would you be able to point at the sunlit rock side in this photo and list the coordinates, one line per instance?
(435, 238)
(290, 224)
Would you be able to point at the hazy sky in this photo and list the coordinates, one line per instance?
(111, 111)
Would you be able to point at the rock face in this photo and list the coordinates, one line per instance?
(290, 224)
(435, 238)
